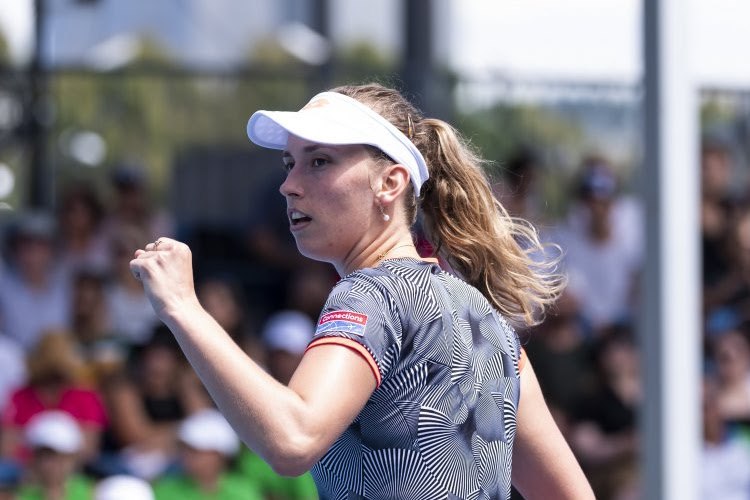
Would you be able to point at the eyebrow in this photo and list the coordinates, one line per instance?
(307, 149)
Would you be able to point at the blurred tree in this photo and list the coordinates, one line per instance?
(4, 51)
(497, 132)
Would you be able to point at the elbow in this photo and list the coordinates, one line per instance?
(294, 458)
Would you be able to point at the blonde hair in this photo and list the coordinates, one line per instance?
(463, 220)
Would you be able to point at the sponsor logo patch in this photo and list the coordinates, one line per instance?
(342, 321)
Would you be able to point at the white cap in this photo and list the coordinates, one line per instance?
(123, 487)
(289, 331)
(333, 118)
(56, 430)
(208, 430)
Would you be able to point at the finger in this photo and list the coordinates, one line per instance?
(137, 269)
(139, 252)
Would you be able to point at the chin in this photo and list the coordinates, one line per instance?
(313, 253)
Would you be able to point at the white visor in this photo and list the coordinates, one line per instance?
(333, 118)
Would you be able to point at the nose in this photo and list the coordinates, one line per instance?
(291, 185)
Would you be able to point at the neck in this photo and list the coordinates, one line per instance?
(390, 247)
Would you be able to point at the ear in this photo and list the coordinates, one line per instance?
(394, 181)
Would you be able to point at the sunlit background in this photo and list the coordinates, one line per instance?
(122, 121)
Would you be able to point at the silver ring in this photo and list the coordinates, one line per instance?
(156, 244)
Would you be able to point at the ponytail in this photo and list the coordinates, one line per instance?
(463, 220)
(474, 233)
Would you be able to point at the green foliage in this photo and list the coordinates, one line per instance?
(498, 132)
(4, 52)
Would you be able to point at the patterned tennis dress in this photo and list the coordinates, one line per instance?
(441, 423)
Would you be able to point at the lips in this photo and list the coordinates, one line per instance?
(297, 218)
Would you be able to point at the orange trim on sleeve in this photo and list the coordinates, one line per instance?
(354, 346)
(522, 360)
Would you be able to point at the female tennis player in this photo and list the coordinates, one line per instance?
(414, 385)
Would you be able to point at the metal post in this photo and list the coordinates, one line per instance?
(671, 329)
(40, 182)
(418, 65)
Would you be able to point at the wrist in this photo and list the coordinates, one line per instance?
(179, 314)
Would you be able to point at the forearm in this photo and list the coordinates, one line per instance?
(269, 417)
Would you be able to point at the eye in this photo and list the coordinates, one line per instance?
(287, 164)
(319, 162)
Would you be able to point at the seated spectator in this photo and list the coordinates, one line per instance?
(725, 464)
(149, 401)
(727, 297)
(54, 368)
(561, 354)
(13, 374)
(34, 293)
(731, 355)
(285, 336)
(10, 480)
(122, 487)
(131, 205)
(83, 244)
(207, 445)
(55, 440)
(224, 302)
(90, 314)
(131, 315)
(602, 244)
(605, 435)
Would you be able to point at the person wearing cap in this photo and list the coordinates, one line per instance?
(34, 291)
(285, 336)
(603, 244)
(414, 385)
(55, 440)
(208, 443)
(123, 487)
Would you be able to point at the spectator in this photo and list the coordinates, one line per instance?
(13, 374)
(82, 241)
(55, 440)
(562, 362)
(602, 245)
(718, 204)
(605, 435)
(731, 355)
(223, 300)
(147, 404)
(132, 206)
(55, 369)
(122, 487)
(132, 317)
(285, 336)
(10, 479)
(725, 464)
(208, 443)
(90, 312)
(727, 296)
(516, 191)
(34, 293)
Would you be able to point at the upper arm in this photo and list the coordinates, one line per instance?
(543, 464)
(334, 382)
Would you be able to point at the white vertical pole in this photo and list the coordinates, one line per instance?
(671, 328)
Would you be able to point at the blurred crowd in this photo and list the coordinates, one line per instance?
(96, 396)
(586, 353)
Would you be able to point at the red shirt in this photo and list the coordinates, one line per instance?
(84, 405)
